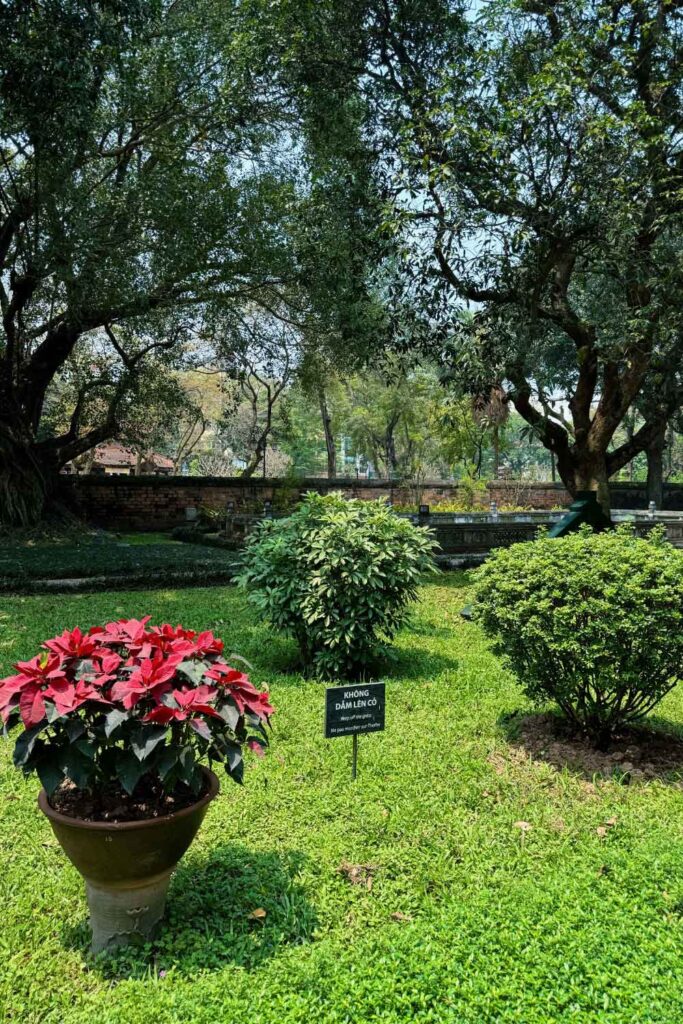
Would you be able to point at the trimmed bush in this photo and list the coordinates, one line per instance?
(590, 621)
(338, 575)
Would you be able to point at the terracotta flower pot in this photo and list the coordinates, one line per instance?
(127, 865)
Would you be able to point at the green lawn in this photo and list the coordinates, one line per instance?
(470, 918)
(134, 556)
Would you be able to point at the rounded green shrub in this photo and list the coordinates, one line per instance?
(338, 575)
(590, 621)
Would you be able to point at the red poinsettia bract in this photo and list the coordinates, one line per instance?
(132, 695)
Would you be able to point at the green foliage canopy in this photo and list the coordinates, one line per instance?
(158, 161)
(339, 576)
(529, 156)
(589, 621)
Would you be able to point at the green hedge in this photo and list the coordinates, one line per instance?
(591, 621)
(22, 565)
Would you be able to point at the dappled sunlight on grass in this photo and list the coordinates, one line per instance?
(226, 905)
(502, 888)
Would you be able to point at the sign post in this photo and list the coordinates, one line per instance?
(351, 710)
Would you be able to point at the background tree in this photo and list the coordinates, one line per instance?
(393, 418)
(259, 352)
(491, 410)
(189, 429)
(157, 407)
(193, 435)
(146, 171)
(298, 429)
(377, 399)
(465, 439)
(149, 403)
(530, 157)
(320, 383)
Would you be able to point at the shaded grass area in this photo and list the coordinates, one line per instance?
(503, 889)
(99, 554)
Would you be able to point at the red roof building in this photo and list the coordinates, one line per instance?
(113, 458)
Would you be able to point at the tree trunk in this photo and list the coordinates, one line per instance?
(24, 480)
(390, 452)
(585, 471)
(584, 460)
(496, 452)
(329, 436)
(669, 445)
(478, 458)
(259, 451)
(253, 463)
(630, 423)
(655, 468)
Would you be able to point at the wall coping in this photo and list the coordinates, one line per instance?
(347, 483)
(114, 480)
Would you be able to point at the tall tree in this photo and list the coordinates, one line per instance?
(393, 416)
(530, 155)
(142, 176)
(320, 381)
(491, 409)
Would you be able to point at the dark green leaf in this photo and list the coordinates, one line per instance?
(77, 767)
(85, 667)
(74, 728)
(236, 770)
(113, 719)
(196, 779)
(193, 670)
(87, 748)
(51, 712)
(50, 774)
(25, 744)
(201, 728)
(229, 713)
(129, 770)
(167, 760)
(146, 738)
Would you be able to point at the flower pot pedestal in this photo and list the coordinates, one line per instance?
(127, 865)
(122, 916)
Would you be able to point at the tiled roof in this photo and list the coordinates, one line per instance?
(160, 461)
(114, 454)
(111, 453)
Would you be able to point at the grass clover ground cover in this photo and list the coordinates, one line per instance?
(503, 890)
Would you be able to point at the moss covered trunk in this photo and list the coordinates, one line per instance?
(586, 471)
(24, 479)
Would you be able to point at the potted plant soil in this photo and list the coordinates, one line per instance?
(118, 723)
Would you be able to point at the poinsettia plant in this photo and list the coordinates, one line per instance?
(128, 700)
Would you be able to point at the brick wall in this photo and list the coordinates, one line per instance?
(157, 503)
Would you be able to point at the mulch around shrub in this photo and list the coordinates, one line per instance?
(638, 754)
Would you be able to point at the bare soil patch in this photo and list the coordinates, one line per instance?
(636, 755)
